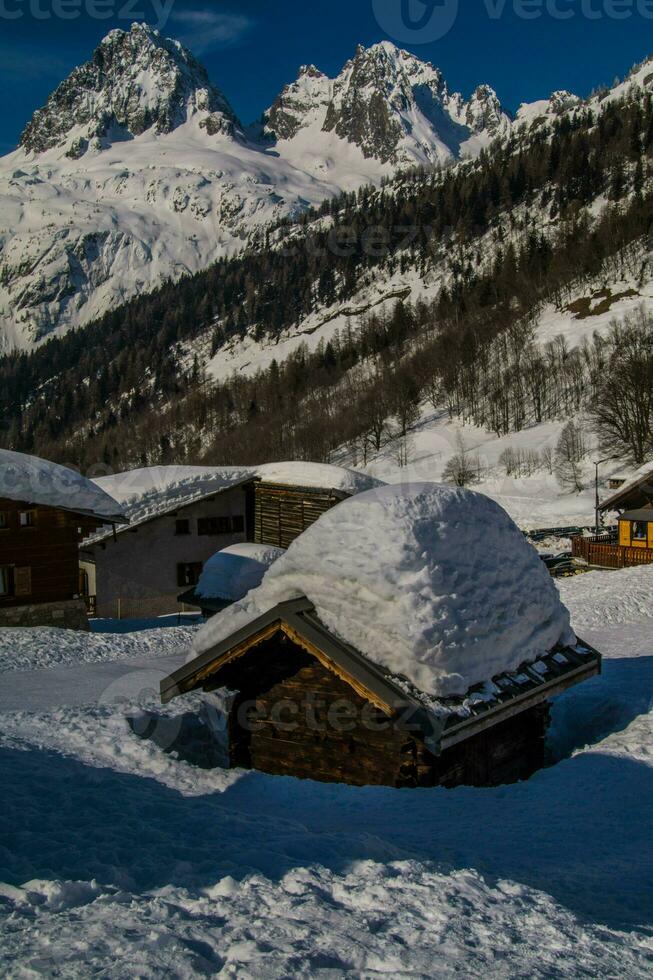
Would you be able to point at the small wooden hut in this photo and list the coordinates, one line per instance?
(229, 575)
(311, 706)
(636, 529)
(424, 650)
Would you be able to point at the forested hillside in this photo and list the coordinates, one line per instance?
(564, 203)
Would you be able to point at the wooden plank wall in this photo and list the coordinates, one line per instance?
(282, 513)
(49, 550)
(278, 683)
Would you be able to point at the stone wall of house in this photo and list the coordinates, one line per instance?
(70, 615)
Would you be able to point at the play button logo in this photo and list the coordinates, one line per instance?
(416, 21)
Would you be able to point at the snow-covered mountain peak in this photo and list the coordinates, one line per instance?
(136, 80)
(398, 109)
(558, 102)
(299, 105)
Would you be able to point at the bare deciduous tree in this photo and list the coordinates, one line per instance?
(570, 452)
(622, 405)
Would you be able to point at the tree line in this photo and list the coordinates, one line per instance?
(509, 232)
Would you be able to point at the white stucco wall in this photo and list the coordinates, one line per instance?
(139, 568)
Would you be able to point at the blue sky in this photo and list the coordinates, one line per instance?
(524, 48)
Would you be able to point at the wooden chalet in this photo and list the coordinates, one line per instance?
(633, 543)
(311, 706)
(632, 495)
(45, 511)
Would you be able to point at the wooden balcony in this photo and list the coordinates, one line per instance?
(604, 551)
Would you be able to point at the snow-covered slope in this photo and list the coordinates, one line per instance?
(137, 170)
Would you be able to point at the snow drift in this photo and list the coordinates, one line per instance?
(434, 583)
(233, 572)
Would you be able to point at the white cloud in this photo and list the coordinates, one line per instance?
(205, 29)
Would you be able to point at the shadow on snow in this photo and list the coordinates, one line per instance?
(579, 831)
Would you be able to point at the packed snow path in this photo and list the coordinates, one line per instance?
(120, 860)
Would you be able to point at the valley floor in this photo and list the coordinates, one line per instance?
(120, 860)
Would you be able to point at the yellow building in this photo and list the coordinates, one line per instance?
(636, 528)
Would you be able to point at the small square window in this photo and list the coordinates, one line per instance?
(27, 518)
(182, 527)
(4, 520)
(640, 530)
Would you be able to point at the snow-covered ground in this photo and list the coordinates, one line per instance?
(120, 860)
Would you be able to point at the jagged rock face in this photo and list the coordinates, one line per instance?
(375, 90)
(484, 111)
(398, 109)
(297, 104)
(135, 80)
(83, 229)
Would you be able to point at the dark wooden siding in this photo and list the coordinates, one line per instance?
(282, 513)
(293, 716)
(43, 559)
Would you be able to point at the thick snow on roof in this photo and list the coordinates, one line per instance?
(644, 473)
(322, 475)
(155, 490)
(434, 583)
(147, 493)
(233, 572)
(38, 481)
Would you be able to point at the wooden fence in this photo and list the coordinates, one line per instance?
(608, 554)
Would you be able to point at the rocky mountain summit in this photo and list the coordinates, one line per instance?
(136, 80)
(298, 104)
(392, 106)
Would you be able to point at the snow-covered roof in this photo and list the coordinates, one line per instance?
(233, 572)
(436, 584)
(317, 475)
(38, 481)
(156, 490)
(644, 475)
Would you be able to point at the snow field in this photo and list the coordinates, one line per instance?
(120, 860)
